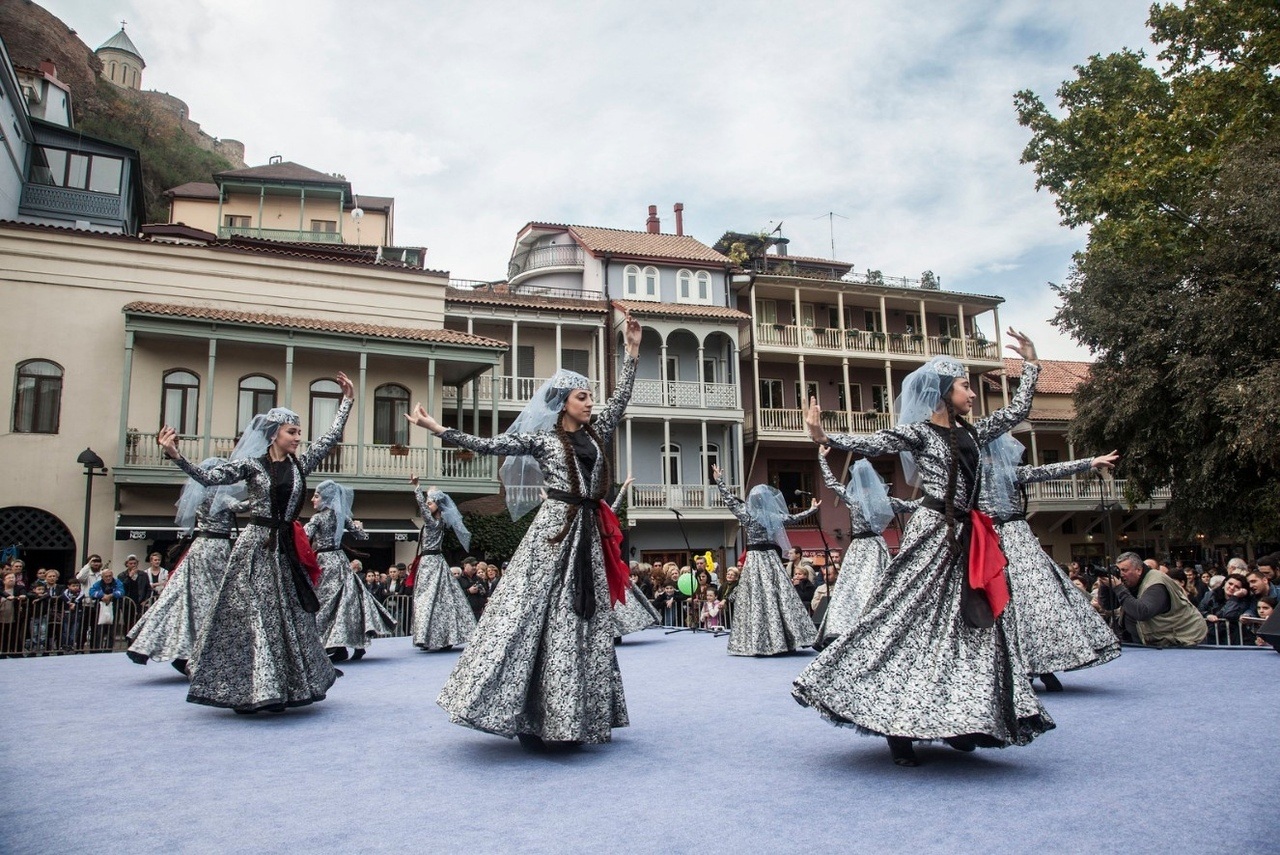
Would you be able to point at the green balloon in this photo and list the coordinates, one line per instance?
(686, 584)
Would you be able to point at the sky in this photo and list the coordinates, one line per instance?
(884, 127)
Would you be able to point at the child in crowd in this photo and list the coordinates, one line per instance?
(1266, 607)
(667, 604)
(710, 612)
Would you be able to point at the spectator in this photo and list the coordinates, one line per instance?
(709, 617)
(395, 581)
(10, 608)
(795, 561)
(805, 588)
(157, 576)
(1235, 600)
(1259, 586)
(492, 576)
(829, 574)
(668, 605)
(136, 583)
(1266, 606)
(106, 593)
(91, 572)
(1267, 566)
(51, 578)
(19, 569)
(1214, 596)
(472, 587)
(1155, 609)
(642, 576)
(38, 606)
(72, 602)
(374, 585)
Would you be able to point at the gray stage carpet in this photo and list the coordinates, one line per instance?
(101, 755)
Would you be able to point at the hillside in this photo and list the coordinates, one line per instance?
(169, 154)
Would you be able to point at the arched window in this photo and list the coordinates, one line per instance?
(703, 288)
(631, 280)
(671, 464)
(712, 458)
(180, 396)
(37, 397)
(113, 71)
(257, 395)
(326, 395)
(684, 286)
(390, 406)
(650, 284)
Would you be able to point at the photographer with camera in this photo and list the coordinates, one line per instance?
(1155, 608)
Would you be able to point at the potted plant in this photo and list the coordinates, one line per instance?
(398, 450)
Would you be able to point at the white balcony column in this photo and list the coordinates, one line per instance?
(361, 397)
(1035, 452)
(1004, 375)
(493, 403)
(207, 442)
(734, 370)
(124, 396)
(475, 405)
(664, 457)
(740, 475)
(629, 452)
(433, 467)
(795, 316)
(514, 367)
(603, 371)
(559, 345)
(804, 386)
(844, 339)
(964, 347)
(288, 379)
(884, 322)
(1071, 455)
(848, 397)
(702, 387)
(755, 364)
(262, 198)
(471, 326)
(702, 461)
(302, 210)
(662, 368)
(888, 382)
(924, 330)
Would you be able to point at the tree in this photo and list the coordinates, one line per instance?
(1176, 173)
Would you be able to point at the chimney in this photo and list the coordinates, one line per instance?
(679, 218)
(49, 69)
(653, 225)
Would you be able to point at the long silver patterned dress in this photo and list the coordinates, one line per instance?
(768, 615)
(442, 617)
(534, 666)
(169, 628)
(349, 615)
(864, 560)
(637, 612)
(259, 647)
(1057, 628)
(911, 666)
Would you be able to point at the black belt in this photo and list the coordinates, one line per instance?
(214, 535)
(270, 522)
(584, 594)
(765, 547)
(940, 506)
(864, 535)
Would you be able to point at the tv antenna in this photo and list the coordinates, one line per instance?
(830, 216)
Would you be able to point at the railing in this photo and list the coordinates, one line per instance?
(511, 390)
(70, 201)
(678, 496)
(860, 341)
(836, 421)
(1087, 489)
(559, 255)
(285, 235)
(685, 393)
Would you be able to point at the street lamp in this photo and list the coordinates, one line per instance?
(90, 461)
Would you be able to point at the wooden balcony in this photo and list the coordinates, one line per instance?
(789, 337)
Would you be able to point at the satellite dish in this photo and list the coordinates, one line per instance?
(357, 213)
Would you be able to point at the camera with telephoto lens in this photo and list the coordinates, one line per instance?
(1112, 570)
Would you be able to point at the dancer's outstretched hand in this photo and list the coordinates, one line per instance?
(1024, 347)
(715, 472)
(348, 390)
(1106, 461)
(813, 423)
(422, 418)
(167, 439)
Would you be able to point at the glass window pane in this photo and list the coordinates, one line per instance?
(78, 171)
(105, 177)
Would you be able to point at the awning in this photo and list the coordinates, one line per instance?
(390, 530)
(810, 542)
(130, 527)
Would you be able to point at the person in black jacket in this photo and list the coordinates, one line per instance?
(804, 587)
(473, 586)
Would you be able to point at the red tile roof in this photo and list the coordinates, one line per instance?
(1037, 415)
(680, 310)
(262, 319)
(283, 171)
(1057, 376)
(194, 190)
(645, 244)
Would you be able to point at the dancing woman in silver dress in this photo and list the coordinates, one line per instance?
(541, 665)
(167, 631)
(933, 656)
(1057, 627)
(870, 510)
(768, 615)
(442, 617)
(349, 616)
(259, 648)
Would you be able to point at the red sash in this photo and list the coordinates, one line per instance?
(413, 572)
(615, 569)
(306, 555)
(987, 562)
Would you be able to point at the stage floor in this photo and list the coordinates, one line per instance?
(1159, 751)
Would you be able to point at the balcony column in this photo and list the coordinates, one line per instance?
(804, 389)
(740, 464)
(433, 466)
(844, 339)
(731, 372)
(1071, 455)
(359, 408)
(795, 317)
(218, 230)
(755, 364)
(702, 387)
(262, 198)
(342, 203)
(559, 345)
(964, 339)
(602, 369)
(475, 406)
(515, 363)
(302, 210)
(1004, 375)
(1035, 453)
(924, 330)
(493, 405)
(628, 452)
(888, 382)
(702, 473)
(127, 382)
(848, 397)
(207, 441)
(665, 457)
(662, 368)
(288, 378)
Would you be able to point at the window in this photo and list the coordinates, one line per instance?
(880, 399)
(37, 397)
(641, 284)
(673, 368)
(704, 286)
(234, 221)
(807, 315)
(524, 361)
(105, 175)
(180, 396)
(872, 321)
(849, 398)
(771, 395)
(61, 168)
(913, 324)
(257, 395)
(712, 455)
(650, 283)
(712, 371)
(576, 360)
(768, 310)
(811, 389)
(631, 279)
(949, 327)
(671, 464)
(693, 287)
(684, 286)
(324, 226)
(1049, 455)
(326, 395)
(390, 406)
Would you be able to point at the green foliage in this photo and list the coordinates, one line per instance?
(1177, 176)
(494, 537)
(169, 156)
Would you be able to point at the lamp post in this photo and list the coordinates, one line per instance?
(90, 461)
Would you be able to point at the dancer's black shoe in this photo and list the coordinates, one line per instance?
(961, 743)
(532, 743)
(181, 666)
(275, 708)
(358, 654)
(902, 752)
(1051, 683)
(337, 654)
(617, 641)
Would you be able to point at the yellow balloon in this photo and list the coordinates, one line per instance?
(711, 562)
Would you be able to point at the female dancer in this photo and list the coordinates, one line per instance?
(259, 648)
(768, 615)
(541, 665)
(441, 616)
(350, 615)
(1057, 628)
(932, 655)
(637, 612)
(870, 510)
(169, 628)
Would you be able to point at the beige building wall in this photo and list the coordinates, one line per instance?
(282, 212)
